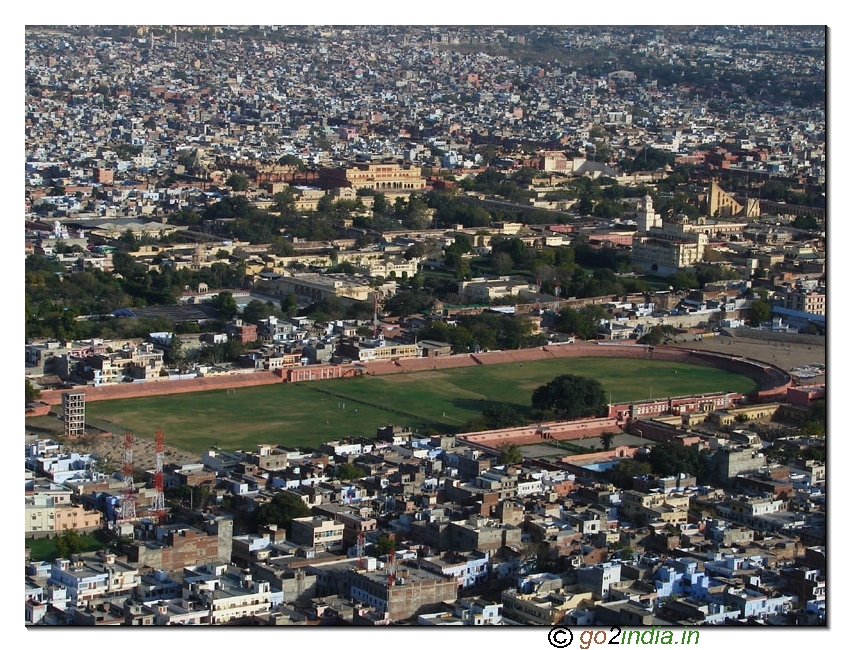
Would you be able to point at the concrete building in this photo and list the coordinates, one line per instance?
(318, 533)
(410, 593)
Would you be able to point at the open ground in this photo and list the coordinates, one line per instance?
(307, 414)
(310, 413)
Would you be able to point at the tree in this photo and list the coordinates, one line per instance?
(501, 263)
(623, 473)
(31, 393)
(669, 459)
(607, 440)
(173, 353)
(509, 453)
(282, 509)
(68, 543)
(349, 472)
(758, 313)
(502, 416)
(384, 545)
(257, 310)
(569, 397)
(289, 304)
(238, 182)
(225, 304)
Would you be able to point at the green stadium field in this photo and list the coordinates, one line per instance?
(307, 414)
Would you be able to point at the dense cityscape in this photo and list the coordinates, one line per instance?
(425, 325)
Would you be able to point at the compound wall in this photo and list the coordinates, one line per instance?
(773, 382)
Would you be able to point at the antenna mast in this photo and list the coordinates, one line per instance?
(158, 506)
(128, 502)
(391, 569)
(361, 548)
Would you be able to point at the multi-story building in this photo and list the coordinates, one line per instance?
(407, 593)
(670, 247)
(382, 177)
(811, 302)
(318, 533)
(469, 569)
(485, 290)
(228, 595)
(93, 577)
(377, 349)
(74, 414)
(174, 546)
(547, 608)
(644, 508)
(43, 515)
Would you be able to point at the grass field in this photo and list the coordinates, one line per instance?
(44, 550)
(310, 413)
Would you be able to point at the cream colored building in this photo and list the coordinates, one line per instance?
(544, 609)
(319, 287)
(486, 289)
(668, 508)
(670, 247)
(382, 177)
(43, 515)
(317, 532)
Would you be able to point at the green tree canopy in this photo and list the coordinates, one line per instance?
(31, 393)
(225, 304)
(281, 510)
(669, 459)
(569, 397)
(384, 545)
(758, 313)
(238, 182)
(509, 453)
(349, 472)
(624, 471)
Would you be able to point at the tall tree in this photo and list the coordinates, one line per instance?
(225, 304)
(31, 393)
(569, 397)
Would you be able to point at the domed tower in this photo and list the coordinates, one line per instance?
(646, 216)
(199, 256)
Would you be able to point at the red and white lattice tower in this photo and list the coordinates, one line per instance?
(391, 569)
(361, 549)
(128, 501)
(158, 505)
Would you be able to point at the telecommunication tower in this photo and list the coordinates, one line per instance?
(128, 501)
(361, 549)
(391, 569)
(158, 506)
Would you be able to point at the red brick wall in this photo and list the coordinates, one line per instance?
(126, 391)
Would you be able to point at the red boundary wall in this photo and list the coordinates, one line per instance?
(170, 387)
(773, 382)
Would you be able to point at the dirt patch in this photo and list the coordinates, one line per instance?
(109, 446)
(784, 355)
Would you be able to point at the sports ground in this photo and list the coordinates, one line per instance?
(307, 414)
